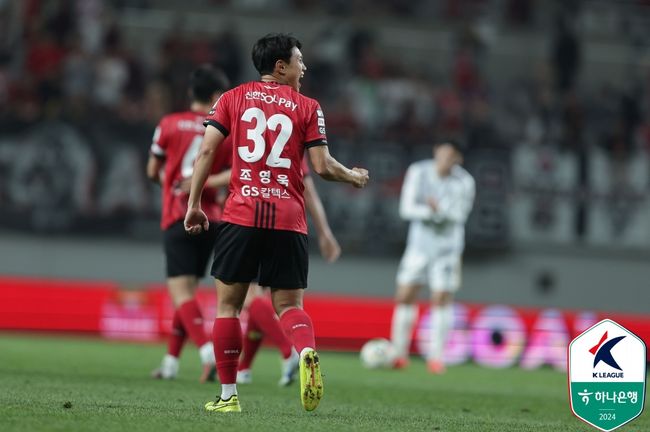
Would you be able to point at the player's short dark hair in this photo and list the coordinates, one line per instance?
(270, 49)
(205, 81)
(456, 144)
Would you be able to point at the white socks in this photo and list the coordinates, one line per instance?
(290, 362)
(206, 354)
(228, 390)
(404, 316)
(289, 367)
(442, 321)
(169, 367)
(305, 351)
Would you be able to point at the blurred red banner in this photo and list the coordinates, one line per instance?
(494, 335)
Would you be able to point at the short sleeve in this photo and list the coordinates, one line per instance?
(159, 141)
(315, 131)
(219, 115)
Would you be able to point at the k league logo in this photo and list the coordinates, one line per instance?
(603, 352)
(607, 375)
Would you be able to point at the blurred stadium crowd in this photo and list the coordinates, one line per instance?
(559, 145)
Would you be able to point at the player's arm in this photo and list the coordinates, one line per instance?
(332, 170)
(219, 180)
(154, 167)
(410, 206)
(457, 208)
(156, 155)
(195, 219)
(214, 181)
(327, 243)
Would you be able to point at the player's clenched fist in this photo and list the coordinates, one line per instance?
(196, 221)
(361, 177)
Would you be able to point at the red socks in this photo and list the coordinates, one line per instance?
(251, 344)
(177, 337)
(192, 320)
(298, 327)
(262, 322)
(226, 335)
(264, 318)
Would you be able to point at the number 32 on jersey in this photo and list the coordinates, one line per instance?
(255, 134)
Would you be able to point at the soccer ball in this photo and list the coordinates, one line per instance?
(377, 353)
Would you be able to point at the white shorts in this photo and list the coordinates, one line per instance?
(440, 271)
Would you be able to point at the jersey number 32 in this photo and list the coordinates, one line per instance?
(255, 134)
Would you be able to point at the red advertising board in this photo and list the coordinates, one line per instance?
(493, 335)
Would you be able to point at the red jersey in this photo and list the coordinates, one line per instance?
(178, 139)
(270, 126)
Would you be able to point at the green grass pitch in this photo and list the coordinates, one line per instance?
(86, 384)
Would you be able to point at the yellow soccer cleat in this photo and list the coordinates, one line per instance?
(228, 405)
(311, 381)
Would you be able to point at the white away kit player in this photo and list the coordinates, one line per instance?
(437, 197)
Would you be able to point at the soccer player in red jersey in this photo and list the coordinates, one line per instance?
(264, 231)
(176, 143)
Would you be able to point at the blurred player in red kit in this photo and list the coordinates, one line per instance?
(176, 143)
(264, 231)
(258, 318)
